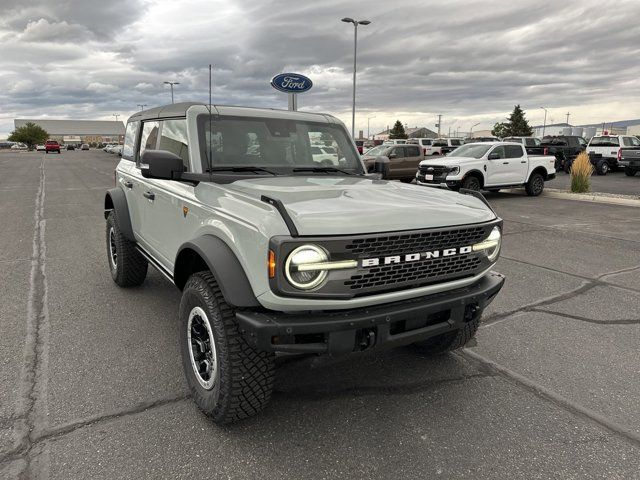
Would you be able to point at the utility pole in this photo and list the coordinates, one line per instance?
(369, 118)
(355, 52)
(567, 114)
(544, 124)
(142, 105)
(438, 124)
(116, 115)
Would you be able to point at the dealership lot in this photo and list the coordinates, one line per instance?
(91, 383)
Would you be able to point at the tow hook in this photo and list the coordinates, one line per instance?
(471, 312)
(367, 339)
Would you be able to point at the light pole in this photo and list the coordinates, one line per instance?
(544, 124)
(116, 115)
(172, 84)
(355, 51)
(471, 131)
(142, 105)
(369, 118)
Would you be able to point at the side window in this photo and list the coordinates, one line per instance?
(455, 143)
(130, 136)
(173, 138)
(582, 142)
(149, 137)
(627, 142)
(635, 142)
(500, 151)
(412, 151)
(398, 151)
(529, 142)
(513, 151)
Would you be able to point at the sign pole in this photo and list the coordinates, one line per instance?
(293, 101)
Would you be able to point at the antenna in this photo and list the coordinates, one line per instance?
(210, 158)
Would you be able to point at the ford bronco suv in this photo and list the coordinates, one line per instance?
(275, 252)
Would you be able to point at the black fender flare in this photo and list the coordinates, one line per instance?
(223, 264)
(115, 199)
(475, 173)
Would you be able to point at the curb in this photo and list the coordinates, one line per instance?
(627, 200)
(606, 198)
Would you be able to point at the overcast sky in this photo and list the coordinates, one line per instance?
(468, 60)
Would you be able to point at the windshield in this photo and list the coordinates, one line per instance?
(554, 141)
(470, 151)
(279, 145)
(379, 150)
(604, 142)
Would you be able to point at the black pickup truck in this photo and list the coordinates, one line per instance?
(530, 144)
(565, 148)
(630, 160)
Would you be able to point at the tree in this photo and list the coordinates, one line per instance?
(397, 131)
(518, 125)
(29, 133)
(500, 130)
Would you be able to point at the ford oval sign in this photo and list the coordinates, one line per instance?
(291, 83)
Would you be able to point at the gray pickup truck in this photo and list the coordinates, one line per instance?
(275, 252)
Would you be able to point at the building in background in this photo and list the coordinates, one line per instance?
(79, 131)
(415, 132)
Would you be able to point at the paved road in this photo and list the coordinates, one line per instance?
(614, 182)
(91, 383)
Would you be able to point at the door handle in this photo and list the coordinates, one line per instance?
(505, 163)
(523, 161)
(128, 184)
(150, 195)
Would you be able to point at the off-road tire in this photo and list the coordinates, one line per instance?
(602, 167)
(447, 342)
(130, 267)
(244, 377)
(471, 183)
(535, 185)
(629, 172)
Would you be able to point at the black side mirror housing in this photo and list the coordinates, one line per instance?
(494, 156)
(162, 165)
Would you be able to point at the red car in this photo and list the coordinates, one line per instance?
(51, 146)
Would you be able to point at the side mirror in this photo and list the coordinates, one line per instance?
(162, 165)
(393, 155)
(494, 156)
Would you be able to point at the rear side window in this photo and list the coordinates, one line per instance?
(149, 138)
(513, 151)
(426, 142)
(130, 136)
(628, 141)
(173, 138)
(412, 151)
(456, 143)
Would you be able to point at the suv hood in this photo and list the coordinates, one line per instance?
(320, 205)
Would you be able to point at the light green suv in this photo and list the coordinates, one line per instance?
(277, 252)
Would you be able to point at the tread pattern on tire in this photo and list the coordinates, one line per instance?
(247, 382)
(132, 266)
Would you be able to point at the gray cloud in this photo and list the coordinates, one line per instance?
(464, 58)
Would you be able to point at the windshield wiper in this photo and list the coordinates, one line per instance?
(323, 170)
(240, 169)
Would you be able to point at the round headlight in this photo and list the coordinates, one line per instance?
(494, 236)
(305, 279)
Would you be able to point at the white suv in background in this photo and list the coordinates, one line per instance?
(442, 146)
(610, 147)
(424, 143)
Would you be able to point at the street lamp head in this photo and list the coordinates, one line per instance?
(364, 22)
(168, 83)
(348, 20)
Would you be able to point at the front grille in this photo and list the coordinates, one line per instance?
(420, 272)
(435, 170)
(414, 273)
(415, 242)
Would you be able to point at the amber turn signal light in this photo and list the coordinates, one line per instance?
(272, 264)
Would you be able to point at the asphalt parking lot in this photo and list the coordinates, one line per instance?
(614, 182)
(91, 383)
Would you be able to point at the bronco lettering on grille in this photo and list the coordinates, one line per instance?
(414, 257)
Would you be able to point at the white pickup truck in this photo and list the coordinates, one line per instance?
(488, 166)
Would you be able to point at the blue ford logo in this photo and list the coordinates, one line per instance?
(291, 83)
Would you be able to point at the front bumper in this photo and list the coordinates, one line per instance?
(343, 331)
(438, 181)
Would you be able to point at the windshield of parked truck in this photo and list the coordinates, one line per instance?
(471, 150)
(605, 142)
(279, 145)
